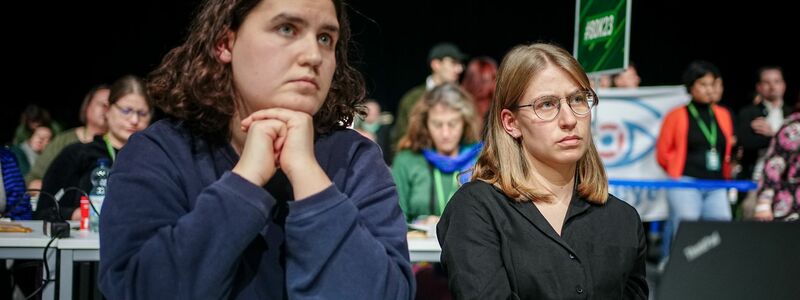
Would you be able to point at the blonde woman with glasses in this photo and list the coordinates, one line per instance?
(537, 221)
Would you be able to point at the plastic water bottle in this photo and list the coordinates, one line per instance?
(99, 179)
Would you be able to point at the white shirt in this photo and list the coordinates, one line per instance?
(774, 115)
(775, 120)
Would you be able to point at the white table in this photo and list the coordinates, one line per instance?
(85, 246)
(424, 249)
(14, 245)
(80, 246)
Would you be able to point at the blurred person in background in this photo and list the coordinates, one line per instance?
(129, 112)
(92, 115)
(778, 196)
(376, 126)
(446, 63)
(758, 122)
(479, 81)
(32, 117)
(695, 143)
(28, 151)
(628, 79)
(441, 143)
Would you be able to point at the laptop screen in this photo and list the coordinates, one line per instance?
(733, 260)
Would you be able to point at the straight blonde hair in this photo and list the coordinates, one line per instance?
(502, 162)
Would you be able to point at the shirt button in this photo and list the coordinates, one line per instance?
(571, 256)
(579, 289)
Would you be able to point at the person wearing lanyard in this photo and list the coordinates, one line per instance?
(440, 144)
(432, 157)
(129, 112)
(695, 143)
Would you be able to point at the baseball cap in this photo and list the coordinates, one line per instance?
(442, 50)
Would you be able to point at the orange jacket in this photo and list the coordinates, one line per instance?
(672, 141)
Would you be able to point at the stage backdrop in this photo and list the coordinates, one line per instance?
(625, 125)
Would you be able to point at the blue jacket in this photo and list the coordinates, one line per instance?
(18, 202)
(177, 224)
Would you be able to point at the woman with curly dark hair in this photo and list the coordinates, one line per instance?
(253, 187)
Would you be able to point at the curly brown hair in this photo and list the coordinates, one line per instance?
(450, 95)
(191, 84)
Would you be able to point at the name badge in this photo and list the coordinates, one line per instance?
(712, 160)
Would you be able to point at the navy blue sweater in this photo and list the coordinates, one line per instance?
(177, 224)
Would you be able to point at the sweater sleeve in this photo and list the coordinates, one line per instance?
(401, 176)
(350, 243)
(155, 245)
(471, 249)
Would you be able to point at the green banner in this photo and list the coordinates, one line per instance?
(602, 35)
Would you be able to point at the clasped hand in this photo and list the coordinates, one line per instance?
(281, 138)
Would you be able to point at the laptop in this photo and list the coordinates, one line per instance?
(733, 260)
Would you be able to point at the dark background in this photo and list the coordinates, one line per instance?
(56, 51)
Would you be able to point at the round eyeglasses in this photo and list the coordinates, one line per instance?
(128, 112)
(547, 107)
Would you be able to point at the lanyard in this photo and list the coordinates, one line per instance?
(710, 131)
(111, 151)
(437, 179)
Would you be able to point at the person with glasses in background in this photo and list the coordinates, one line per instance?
(129, 112)
(433, 159)
(537, 221)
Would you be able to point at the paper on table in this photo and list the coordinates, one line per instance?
(13, 227)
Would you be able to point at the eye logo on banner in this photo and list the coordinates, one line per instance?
(625, 127)
(628, 136)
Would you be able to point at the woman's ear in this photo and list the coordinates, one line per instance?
(509, 121)
(224, 48)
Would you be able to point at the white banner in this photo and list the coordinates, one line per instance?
(625, 125)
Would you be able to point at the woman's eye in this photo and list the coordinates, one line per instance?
(326, 40)
(546, 104)
(286, 30)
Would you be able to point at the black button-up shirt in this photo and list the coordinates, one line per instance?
(496, 248)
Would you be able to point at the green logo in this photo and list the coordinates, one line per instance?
(602, 35)
(598, 28)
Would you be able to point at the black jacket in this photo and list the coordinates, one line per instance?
(496, 248)
(71, 168)
(750, 141)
